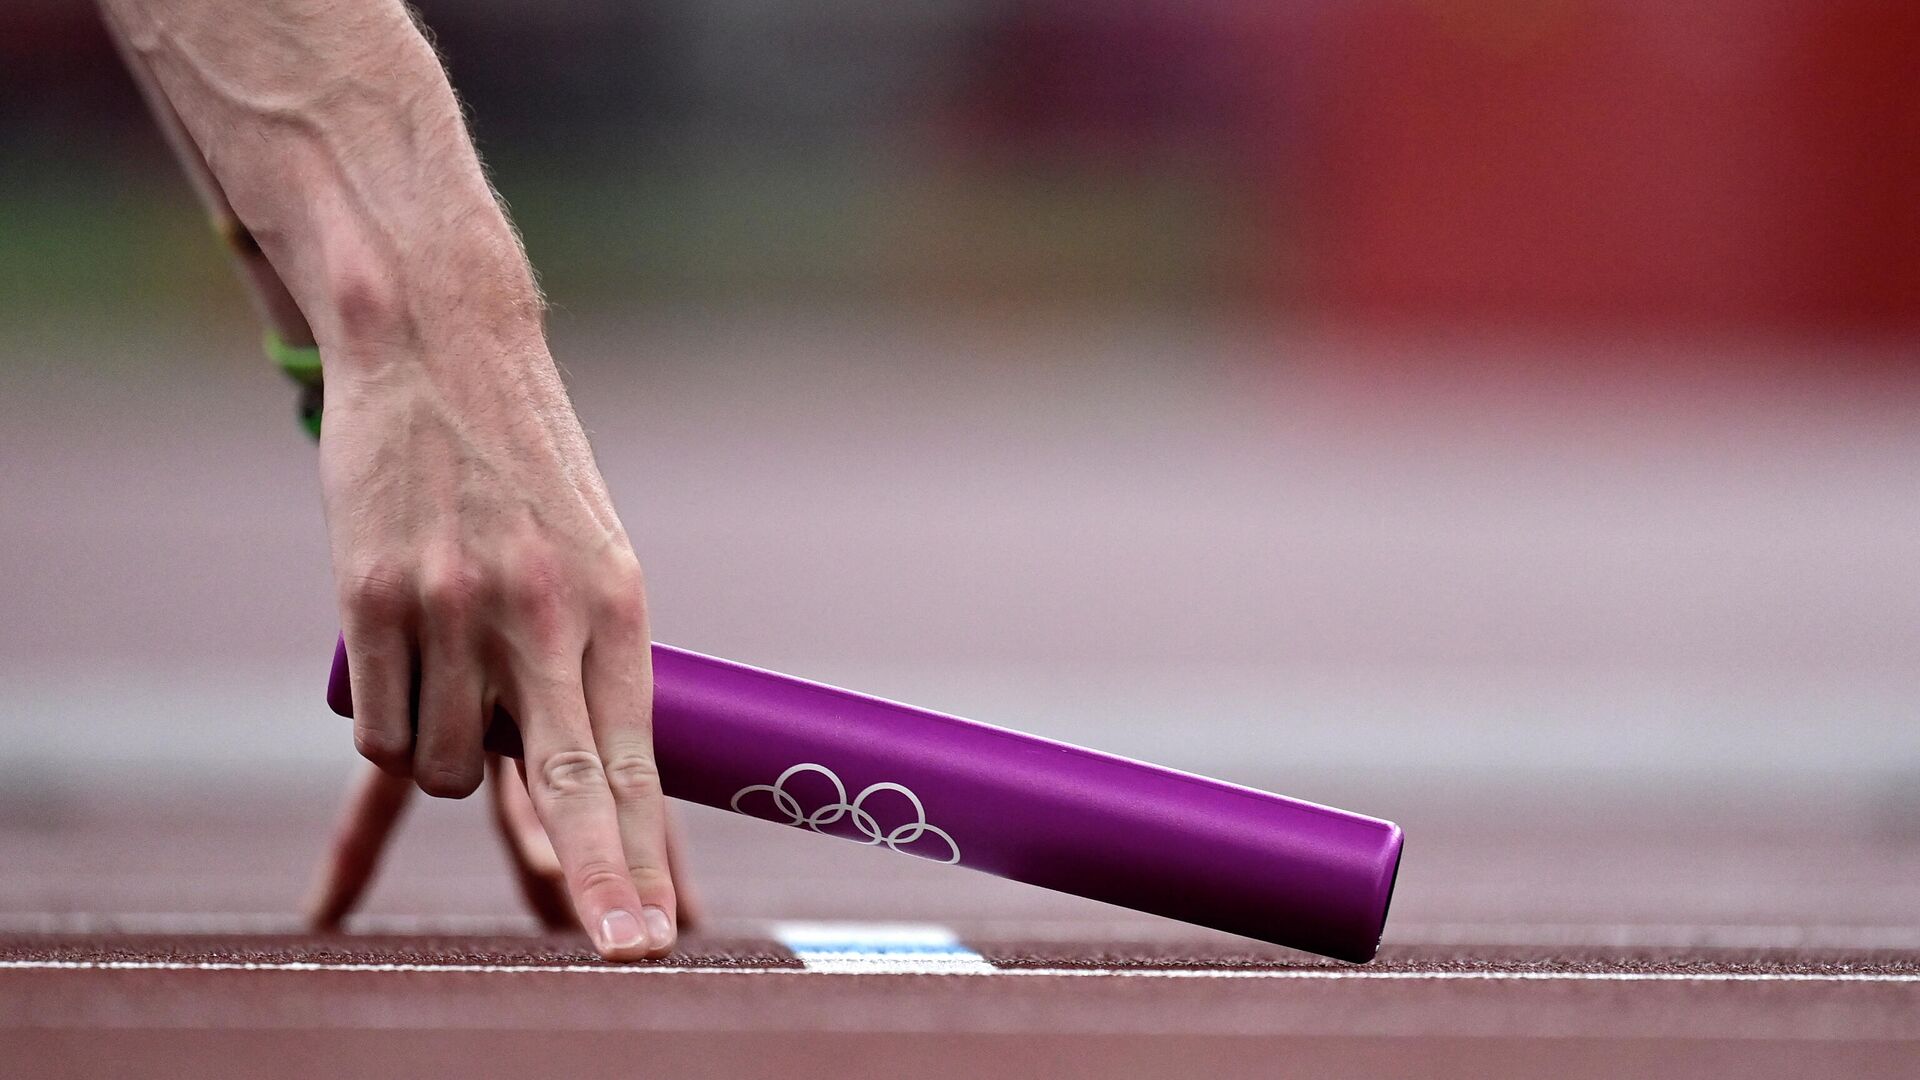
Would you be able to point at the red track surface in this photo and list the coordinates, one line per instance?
(118, 962)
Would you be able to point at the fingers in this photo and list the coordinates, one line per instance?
(401, 636)
(373, 807)
(513, 811)
(570, 792)
(619, 690)
(688, 909)
(536, 868)
(564, 649)
(447, 759)
(380, 667)
(503, 736)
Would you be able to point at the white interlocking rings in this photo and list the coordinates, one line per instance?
(855, 812)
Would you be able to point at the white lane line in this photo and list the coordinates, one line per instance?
(1541, 935)
(860, 948)
(1306, 974)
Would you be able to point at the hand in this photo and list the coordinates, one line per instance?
(480, 563)
(478, 556)
(375, 803)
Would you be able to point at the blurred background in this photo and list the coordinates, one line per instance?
(1461, 410)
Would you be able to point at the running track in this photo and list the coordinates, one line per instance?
(184, 961)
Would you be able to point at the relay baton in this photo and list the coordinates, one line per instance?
(1018, 806)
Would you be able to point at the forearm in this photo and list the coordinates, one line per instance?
(480, 562)
(332, 129)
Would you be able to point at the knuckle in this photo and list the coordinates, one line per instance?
(650, 880)
(623, 602)
(572, 774)
(532, 585)
(377, 593)
(384, 748)
(451, 591)
(600, 876)
(536, 596)
(633, 777)
(447, 780)
(628, 572)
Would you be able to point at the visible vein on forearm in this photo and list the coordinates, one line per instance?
(338, 141)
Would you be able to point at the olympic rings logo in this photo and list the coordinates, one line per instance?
(855, 813)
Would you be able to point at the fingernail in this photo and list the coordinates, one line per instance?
(620, 930)
(659, 927)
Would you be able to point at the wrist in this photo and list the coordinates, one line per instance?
(444, 296)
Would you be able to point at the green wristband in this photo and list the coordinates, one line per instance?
(310, 410)
(302, 365)
(300, 362)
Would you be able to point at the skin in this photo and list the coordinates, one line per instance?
(374, 806)
(478, 556)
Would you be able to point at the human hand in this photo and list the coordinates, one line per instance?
(481, 564)
(479, 559)
(375, 804)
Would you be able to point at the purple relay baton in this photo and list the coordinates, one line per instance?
(957, 791)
